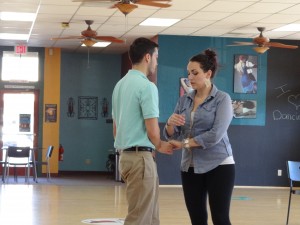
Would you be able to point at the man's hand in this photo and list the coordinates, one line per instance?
(166, 148)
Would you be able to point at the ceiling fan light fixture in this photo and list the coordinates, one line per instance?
(101, 44)
(88, 42)
(125, 8)
(261, 49)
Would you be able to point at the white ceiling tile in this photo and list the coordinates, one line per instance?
(209, 15)
(52, 18)
(245, 17)
(58, 9)
(4, 2)
(192, 23)
(183, 31)
(267, 7)
(93, 11)
(58, 2)
(227, 6)
(20, 7)
(146, 29)
(211, 31)
(281, 18)
(194, 5)
(174, 14)
(281, 1)
(292, 10)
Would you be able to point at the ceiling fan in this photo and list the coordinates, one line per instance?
(127, 6)
(263, 43)
(89, 37)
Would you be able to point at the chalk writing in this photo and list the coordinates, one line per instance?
(294, 100)
(282, 89)
(278, 115)
(291, 99)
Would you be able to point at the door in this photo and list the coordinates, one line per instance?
(18, 119)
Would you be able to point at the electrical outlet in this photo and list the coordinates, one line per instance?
(279, 173)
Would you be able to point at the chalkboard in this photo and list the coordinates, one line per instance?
(261, 151)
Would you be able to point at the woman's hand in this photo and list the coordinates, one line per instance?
(176, 144)
(176, 120)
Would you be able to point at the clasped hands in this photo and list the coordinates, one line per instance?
(168, 147)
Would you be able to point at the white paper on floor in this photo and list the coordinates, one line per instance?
(104, 221)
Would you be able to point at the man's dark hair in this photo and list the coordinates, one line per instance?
(248, 104)
(139, 48)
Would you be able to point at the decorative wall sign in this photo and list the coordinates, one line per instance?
(71, 104)
(88, 108)
(104, 112)
(50, 113)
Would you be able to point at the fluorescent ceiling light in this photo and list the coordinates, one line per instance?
(159, 22)
(290, 27)
(99, 44)
(13, 16)
(13, 36)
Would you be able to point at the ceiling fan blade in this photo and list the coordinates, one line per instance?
(69, 37)
(108, 38)
(280, 45)
(153, 3)
(239, 43)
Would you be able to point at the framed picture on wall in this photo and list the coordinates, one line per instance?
(245, 74)
(50, 113)
(244, 108)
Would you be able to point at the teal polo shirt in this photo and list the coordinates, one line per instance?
(134, 99)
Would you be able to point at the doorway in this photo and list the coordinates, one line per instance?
(18, 119)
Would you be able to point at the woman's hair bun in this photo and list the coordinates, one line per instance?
(210, 53)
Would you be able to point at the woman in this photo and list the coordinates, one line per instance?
(199, 126)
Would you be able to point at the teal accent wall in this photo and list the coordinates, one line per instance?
(87, 142)
(174, 53)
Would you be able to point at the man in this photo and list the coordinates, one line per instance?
(135, 127)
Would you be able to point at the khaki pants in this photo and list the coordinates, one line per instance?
(138, 170)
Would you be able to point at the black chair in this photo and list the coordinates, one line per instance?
(293, 171)
(47, 161)
(17, 157)
(2, 164)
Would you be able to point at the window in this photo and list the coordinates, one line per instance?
(21, 68)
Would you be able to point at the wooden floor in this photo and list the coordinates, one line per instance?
(69, 201)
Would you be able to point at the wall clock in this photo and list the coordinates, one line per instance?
(88, 108)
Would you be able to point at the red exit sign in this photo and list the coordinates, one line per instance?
(21, 49)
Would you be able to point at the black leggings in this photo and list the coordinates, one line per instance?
(217, 184)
